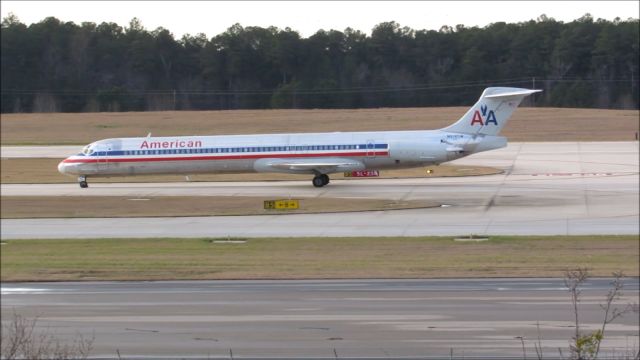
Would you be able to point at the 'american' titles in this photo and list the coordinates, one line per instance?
(177, 144)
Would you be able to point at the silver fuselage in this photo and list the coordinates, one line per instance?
(257, 153)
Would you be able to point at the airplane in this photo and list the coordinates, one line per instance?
(317, 154)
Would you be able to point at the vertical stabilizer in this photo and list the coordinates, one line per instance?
(492, 111)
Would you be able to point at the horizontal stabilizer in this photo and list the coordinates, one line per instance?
(522, 92)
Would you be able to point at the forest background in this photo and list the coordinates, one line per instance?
(54, 66)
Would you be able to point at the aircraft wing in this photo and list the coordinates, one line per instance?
(321, 165)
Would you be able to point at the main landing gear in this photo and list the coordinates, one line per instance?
(82, 180)
(320, 180)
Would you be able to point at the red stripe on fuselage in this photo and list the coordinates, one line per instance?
(224, 157)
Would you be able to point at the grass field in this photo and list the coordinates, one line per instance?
(17, 207)
(527, 124)
(305, 258)
(45, 171)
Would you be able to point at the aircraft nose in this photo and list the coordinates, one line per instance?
(62, 167)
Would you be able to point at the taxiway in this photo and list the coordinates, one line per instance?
(546, 189)
(302, 319)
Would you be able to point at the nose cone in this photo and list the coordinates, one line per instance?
(62, 167)
(68, 168)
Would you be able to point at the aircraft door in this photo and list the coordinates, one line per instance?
(102, 161)
(371, 149)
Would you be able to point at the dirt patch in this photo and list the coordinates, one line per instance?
(44, 171)
(17, 207)
(527, 124)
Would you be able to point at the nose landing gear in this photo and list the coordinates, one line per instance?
(82, 180)
(320, 180)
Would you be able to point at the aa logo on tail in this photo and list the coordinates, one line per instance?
(484, 118)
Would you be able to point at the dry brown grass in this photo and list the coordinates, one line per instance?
(16, 207)
(527, 124)
(44, 171)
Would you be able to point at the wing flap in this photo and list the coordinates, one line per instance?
(321, 165)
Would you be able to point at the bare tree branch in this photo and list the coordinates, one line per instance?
(20, 340)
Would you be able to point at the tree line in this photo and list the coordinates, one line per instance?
(55, 66)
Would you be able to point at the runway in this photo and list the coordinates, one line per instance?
(59, 152)
(357, 318)
(547, 189)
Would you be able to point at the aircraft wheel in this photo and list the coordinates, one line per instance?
(318, 182)
(325, 178)
(82, 180)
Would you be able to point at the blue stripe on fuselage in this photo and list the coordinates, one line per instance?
(242, 149)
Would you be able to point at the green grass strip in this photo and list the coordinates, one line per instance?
(314, 258)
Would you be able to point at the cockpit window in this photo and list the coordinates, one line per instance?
(87, 150)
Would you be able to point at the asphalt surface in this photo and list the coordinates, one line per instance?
(572, 188)
(40, 151)
(547, 188)
(301, 319)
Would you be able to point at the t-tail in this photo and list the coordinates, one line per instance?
(478, 129)
(492, 111)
